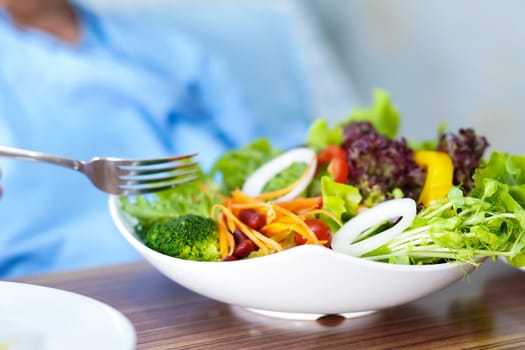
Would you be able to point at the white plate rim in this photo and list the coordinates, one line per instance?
(123, 326)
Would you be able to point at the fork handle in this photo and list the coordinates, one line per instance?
(23, 154)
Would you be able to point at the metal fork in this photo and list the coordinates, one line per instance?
(120, 176)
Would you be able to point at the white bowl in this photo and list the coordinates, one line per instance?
(304, 282)
(502, 259)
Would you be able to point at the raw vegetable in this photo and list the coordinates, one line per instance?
(321, 135)
(234, 167)
(284, 226)
(507, 169)
(473, 208)
(192, 198)
(466, 150)
(354, 237)
(302, 204)
(321, 230)
(489, 222)
(439, 173)
(190, 237)
(501, 182)
(335, 157)
(381, 114)
(255, 183)
(286, 177)
(378, 166)
(340, 199)
(458, 228)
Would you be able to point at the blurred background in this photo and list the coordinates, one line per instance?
(460, 62)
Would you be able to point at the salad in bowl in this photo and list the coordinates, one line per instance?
(323, 228)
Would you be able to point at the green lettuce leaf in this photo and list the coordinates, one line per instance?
(339, 199)
(234, 167)
(382, 114)
(506, 168)
(321, 135)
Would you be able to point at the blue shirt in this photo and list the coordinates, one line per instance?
(130, 88)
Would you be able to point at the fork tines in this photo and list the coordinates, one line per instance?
(151, 175)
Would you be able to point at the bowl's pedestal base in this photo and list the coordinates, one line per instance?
(306, 316)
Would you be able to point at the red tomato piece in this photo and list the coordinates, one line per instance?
(321, 230)
(335, 157)
(299, 239)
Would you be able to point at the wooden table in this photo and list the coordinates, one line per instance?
(485, 312)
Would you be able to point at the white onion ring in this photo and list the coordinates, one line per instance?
(253, 186)
(392, 209)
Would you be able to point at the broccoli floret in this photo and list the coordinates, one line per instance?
(190, 237)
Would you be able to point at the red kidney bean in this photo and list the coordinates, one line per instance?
(252, 218)
(238, 236)
(243, 245)
(230, 258)
(244, 248)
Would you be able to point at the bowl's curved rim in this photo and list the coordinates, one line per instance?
(504, 260)
(119, 217)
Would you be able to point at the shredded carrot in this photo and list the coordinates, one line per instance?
(240, 197)
(301, 228)
(226, 248)
(324, 212)
(282, 238)
(266, 244)
(298, 205)
(259, 206)
(230, 224)
(283, 219)
(276, 228)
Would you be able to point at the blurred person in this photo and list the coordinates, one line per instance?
(81, 84)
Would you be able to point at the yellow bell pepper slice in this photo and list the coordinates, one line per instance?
(440, 172)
